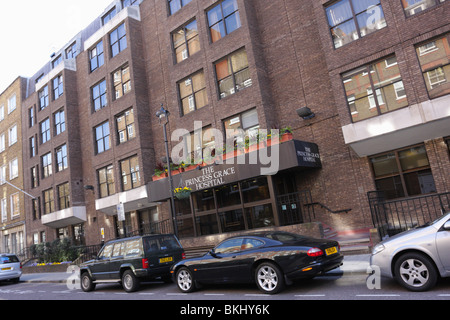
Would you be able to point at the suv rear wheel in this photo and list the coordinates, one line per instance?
(129, 281)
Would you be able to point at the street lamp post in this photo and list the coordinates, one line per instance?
(164, 114)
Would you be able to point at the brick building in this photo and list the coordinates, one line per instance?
(12, 223)
(363, 85)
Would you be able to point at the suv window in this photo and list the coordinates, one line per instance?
(118, 249)
(8, 259)
(106, 253)
(133, 248)
(153, 244)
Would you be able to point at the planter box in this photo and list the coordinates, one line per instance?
(159, 177)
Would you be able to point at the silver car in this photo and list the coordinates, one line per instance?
(10, 267)
(417, 257)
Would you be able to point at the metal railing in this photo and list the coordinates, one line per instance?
(394, 216)
(294, 208)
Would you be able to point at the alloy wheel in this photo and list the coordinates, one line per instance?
(267, 278)
(414, 272)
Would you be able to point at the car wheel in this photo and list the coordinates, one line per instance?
(269, 278)
(185, 280)
(129, 281)
(415, 272)
(87, 285)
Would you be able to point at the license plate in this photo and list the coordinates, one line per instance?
(165, 260)
(331, 251)
(6, 269)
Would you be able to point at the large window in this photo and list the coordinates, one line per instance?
(45, 131)
(247, 122)
(350, 20)
(106, 181)
(193, 92)
(374, 89)
(43, 98)
(47, 167)
(196, 144)
(49, 201)
(434, 57)
(122, 82)
(131, 177)
(186, 41)
(175, 5)
(61, 158)
(118, 40)
(125, 126)
(96, 56)
(64, 196)
(58, 87)
(223, 19)
(413, 7)
(99, 96)
(403, 173)
(237, 206)
(233, 73)
(102, 137)
(60, 122)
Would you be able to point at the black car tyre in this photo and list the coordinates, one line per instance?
(87, 285)
(269, 278)
(415, 272)
(129, 281)
(185, 280)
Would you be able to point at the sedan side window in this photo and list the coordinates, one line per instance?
(232, 245)
(251, 244)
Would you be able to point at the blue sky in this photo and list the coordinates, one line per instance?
(30, 30)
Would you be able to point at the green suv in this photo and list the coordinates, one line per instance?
(131, 260)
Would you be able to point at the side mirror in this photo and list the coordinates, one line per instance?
(212, 252)
(447, 225)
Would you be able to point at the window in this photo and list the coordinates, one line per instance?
(61, 158)
(3, 174)
(34, 177)
(96, 56)
(233, 73)
(13, 169)
(3, 209)
(47, 165)
(2, 112)
(57, 61)
(350, 20)
(247, 121)
(106, 183)
(122, 82)
(434, 58)
(49, 202)
(58, 88)
(60, 122)
(175, 5)
(125, 126)
(118, 40)
(102, 138)
(374, 89)
(12, 104)
(45, 131)
(63, 196)
(32, 117)
(128, 3)
(71, 51)
(36, 208)
(223, 19)
(15, 205)
(412, 7)
(2, 142)
(33, 150)
(99, 96)
(43, 98)
(193, 92)
(196, 144)
(403, 173)
(131, 177)
(107, 17)
(229, 246)
(13, 135)
(186, 41)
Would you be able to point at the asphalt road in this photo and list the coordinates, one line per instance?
(342, 287)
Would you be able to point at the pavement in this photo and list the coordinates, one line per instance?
(353, 264)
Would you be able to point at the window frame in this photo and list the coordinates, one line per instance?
(186, 41)
(134, 183)
(121, 46)
(127, 126)
(104, 136)
(110, 184)
(222, 20)
(99, 56)
(193, 92)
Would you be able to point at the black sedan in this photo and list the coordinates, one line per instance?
(271, 259)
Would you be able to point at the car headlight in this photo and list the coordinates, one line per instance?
(377, 249)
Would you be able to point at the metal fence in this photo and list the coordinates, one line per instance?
(395, 216)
